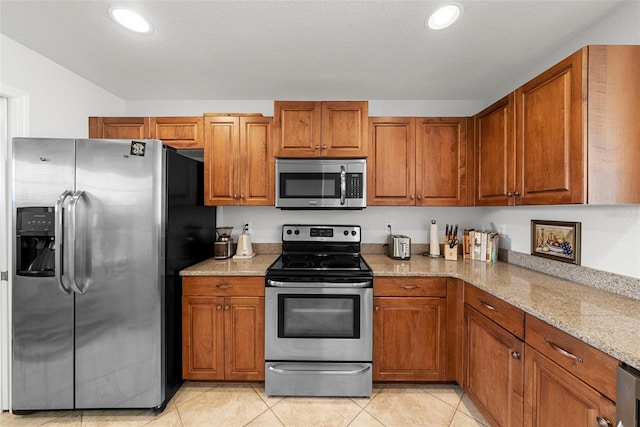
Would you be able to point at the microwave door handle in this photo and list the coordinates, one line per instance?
(343, 185)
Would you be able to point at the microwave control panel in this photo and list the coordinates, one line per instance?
(354, 186)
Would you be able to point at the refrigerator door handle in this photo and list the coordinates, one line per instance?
(58, 242)
(74, 233)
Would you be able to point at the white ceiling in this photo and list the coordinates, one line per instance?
(251, 50)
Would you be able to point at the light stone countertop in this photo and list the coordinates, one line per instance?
(255, 266)
(605, 320)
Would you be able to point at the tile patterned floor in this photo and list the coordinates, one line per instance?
(240, 404)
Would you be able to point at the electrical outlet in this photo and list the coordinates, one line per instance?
(387, 227)
(249, 227)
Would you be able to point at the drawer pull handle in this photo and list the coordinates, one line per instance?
(603, 422)
(515, 355)
(563, 352)
(488, 306)
(410, 286)
(224, 286)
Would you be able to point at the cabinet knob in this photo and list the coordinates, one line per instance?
(377, 308)
(515, 355)
(226, 308)
(419, 197)
(324, 147)
(317, 147)
(412, 197)
(218, 307)
(242, 196)
(235, 196)
(509, 194)
(603, 422)
(516, 193)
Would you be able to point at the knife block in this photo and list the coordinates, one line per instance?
(451, 253)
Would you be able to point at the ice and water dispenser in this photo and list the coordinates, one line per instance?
(35, 239)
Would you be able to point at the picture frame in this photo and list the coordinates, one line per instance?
(557, 240)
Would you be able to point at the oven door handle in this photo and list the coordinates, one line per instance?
(283, 370)
(280, 284)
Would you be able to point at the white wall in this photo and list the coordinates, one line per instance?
(60, 101)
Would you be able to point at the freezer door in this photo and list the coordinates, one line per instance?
(42, 315)
(120, 305)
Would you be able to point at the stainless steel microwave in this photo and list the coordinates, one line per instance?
(321, 183)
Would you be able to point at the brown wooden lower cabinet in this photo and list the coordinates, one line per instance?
(554, 397)
(409, 339)
(494, 370)
(222, 336)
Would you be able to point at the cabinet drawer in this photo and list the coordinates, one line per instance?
(410, 287)
(591, 365)
(504, 314)
(223, 286)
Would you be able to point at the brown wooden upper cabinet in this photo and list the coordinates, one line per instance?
(177, 132)
(568, 136)
(320, 129)
(417, 161)
(239, 166)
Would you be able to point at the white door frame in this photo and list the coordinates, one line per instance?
(15, 122)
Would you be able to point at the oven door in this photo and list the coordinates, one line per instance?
(319, 324)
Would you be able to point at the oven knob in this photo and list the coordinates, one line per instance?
(353, 232)
(289, 232)
(346, 232)
(296, 232)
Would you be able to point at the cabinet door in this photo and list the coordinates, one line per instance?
(494, 370)
(409, 339)
(344, 128)
(554, 397)
(244, 338)
(391, 162)
(495, 154)
(441, 161)
(202, 338)
(221, 159)
(550, 144)
(256, 162)
(178, 132)
(297, 128)
(119, 127)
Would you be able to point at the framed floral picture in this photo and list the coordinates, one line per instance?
(558, 240)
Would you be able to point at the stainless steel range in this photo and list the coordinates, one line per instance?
(319, 313)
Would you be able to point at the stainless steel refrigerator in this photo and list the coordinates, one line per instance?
(102, 228)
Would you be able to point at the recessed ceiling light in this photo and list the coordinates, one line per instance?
(444, 16)
(130, 20)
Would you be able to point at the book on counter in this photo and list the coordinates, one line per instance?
(480, 245)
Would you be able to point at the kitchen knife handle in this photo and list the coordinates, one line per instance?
(57, 242)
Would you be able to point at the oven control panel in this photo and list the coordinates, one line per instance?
(320, 233)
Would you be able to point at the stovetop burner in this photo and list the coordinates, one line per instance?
(320, 262)
(310, 252)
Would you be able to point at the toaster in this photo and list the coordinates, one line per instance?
(398, 246)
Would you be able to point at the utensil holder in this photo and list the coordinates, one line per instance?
(451, 253)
